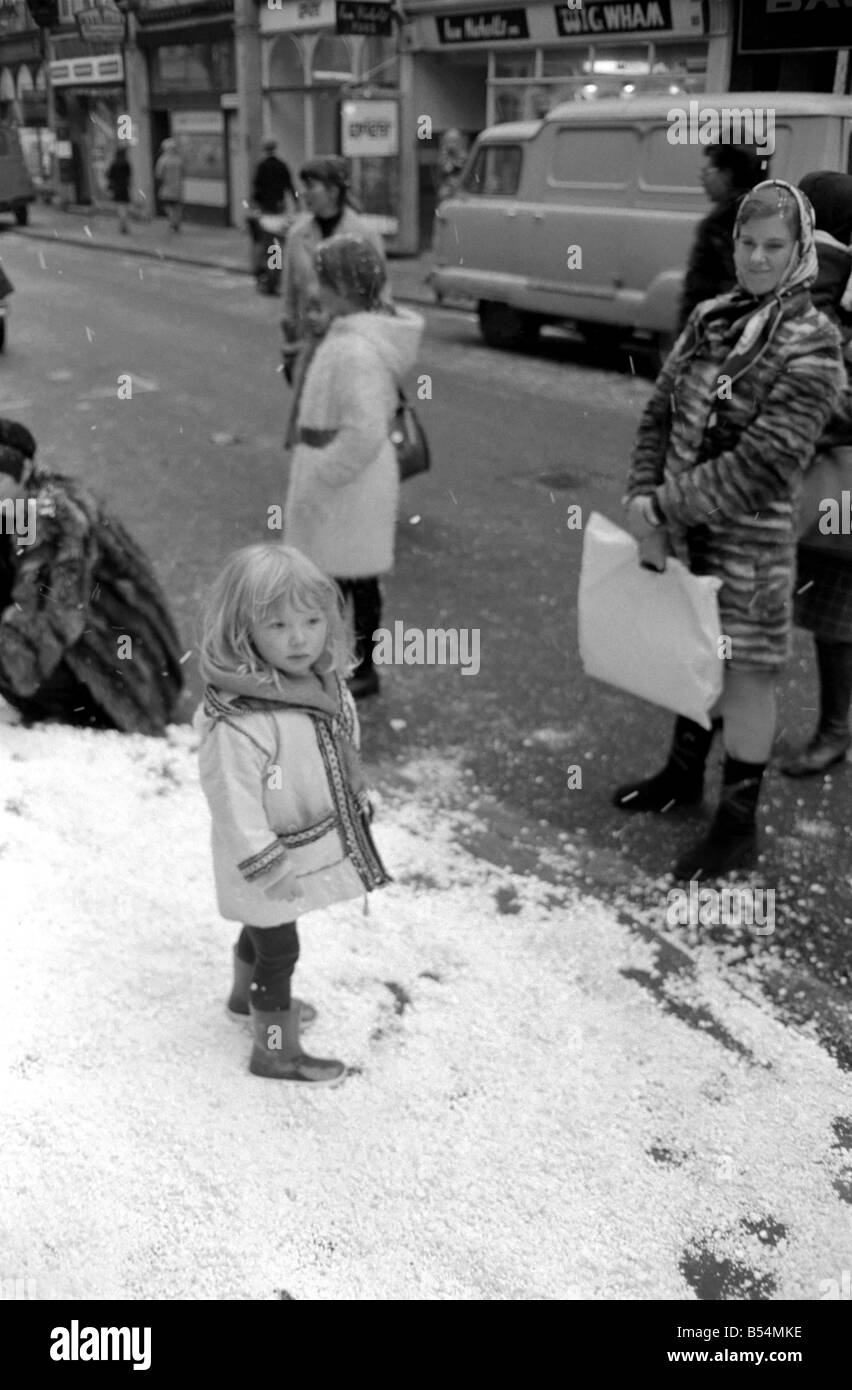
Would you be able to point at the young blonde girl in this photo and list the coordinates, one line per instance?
(281, 774)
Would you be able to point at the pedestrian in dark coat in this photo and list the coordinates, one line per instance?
(273, 187)
(728, 173)
(85, 632)
(824, 584)
(119, 175)
(731, 427)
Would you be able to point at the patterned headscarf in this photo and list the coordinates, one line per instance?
(352, 268)
(754, 322)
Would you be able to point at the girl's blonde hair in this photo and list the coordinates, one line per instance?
(255, 581)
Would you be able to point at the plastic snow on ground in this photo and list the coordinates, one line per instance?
(521, 1118)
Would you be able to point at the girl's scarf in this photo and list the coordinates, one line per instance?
(333, 721)
(746, 325)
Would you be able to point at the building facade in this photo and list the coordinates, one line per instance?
(380, 85)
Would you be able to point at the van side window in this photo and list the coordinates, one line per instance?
(594, 157)
(495, 172)
(674, 167)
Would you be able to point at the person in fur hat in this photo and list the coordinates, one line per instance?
(85, 631)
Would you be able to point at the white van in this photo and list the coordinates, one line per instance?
(603, 178)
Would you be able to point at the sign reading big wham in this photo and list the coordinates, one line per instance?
(647, 18)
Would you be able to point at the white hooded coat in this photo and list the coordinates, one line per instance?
(343, 494)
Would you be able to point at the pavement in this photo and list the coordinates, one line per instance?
(223, 248)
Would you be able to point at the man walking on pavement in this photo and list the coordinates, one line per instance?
(273, 189)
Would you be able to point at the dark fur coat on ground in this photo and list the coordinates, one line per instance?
(71, 597)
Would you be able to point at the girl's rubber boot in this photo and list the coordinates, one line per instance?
(832, 740)
(240, 992)
(681, 781)
(732, 842)
(277, 1052)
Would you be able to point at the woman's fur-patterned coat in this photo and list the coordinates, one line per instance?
(729, 492)
(67, 599)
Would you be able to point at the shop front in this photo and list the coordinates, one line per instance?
(793, 46)
(23, 96)
(88, 94)
(191, 82)
(476, 67)
(331, 92)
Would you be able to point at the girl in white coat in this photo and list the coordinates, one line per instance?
(344, 478)
(281, 774)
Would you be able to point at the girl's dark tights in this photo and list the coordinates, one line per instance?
(273, 951)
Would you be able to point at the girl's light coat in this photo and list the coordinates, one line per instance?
(242, 764)
(343, 497)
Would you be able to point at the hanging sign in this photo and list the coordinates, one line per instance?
(102, 23)
(368, 17)
(369, 129)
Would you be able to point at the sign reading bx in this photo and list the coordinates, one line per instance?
(369, 129)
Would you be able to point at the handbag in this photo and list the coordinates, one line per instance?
(409, 439)
(654, 635)
(828, 479)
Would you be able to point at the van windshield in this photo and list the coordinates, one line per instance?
(495, 171)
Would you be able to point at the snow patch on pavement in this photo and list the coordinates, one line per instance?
(522, 1118)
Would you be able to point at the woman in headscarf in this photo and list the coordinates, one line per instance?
(168, 171)
(330, 212)
(344, 478)
(823, 602)
(723, 443)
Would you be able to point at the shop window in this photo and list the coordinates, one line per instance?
(285, 63)
(495, 172)
(333, 60)
(561, 62)
(380, 62)
(514, 64)
(594, 157)
(508, 106)
(194, 67)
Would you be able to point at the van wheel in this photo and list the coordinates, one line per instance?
(503, 327)
(22, 215)
(601, 337)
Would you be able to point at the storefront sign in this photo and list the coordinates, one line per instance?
(363, 17)
(484, 26)
(197, 123)
(789, 26)
(653, 17)
(290, 15)
(369, 129)
(85, 72)
(102, 23)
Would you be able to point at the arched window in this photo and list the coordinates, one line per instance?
(380, 62)
(286, 68)
(333, 61)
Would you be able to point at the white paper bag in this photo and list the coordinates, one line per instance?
(654, 635)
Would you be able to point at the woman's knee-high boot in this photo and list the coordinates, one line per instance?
(832, 740)
(681, 781)
(732, 841)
